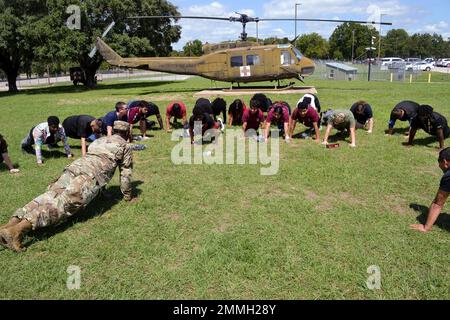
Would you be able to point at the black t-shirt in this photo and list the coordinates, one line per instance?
(445, 182)
(430, 126)
(78, 127)
(410, 108)
(366, 115)
(153, 110)
(3, 146)
(217, 109)
(207, 122)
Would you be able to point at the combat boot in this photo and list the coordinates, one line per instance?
(12, 222)
(11, 237)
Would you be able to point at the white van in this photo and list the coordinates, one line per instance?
(389, 61)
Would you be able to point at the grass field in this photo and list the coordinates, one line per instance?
(225, 231)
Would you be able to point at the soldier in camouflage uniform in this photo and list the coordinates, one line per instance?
(79, 184)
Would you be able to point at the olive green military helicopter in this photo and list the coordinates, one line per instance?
(236, 62)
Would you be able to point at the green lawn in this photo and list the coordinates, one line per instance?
(225, 231)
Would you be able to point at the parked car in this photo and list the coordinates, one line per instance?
(430, 60)
(443, 63)
(419, 66)
(412, 60)
(390, 60)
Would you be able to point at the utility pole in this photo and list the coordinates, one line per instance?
(379, 40)
(297, 4)
(353, 46)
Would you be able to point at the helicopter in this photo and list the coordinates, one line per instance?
(234, 61)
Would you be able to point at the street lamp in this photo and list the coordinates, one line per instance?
(297, 4)
(379, 40)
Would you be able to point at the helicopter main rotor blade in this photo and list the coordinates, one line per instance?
(179, 17)
(328, 20)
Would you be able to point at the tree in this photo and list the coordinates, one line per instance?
(313, 46)
(341, 41)
(396, 43)
(129, 37)
(193, 48)
(17, 22)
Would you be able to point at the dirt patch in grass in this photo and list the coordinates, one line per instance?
(72, 102)
(310, 195)
(224, 224)
(167, 97)
(395, 204)
(348, 198)
(174, 216)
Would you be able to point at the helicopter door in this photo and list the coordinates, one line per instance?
(255, 64)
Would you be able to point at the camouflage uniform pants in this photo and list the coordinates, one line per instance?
(63, 198)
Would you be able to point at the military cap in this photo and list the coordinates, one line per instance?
(121, 126)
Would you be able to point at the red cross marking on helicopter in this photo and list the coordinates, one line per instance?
(245, 71)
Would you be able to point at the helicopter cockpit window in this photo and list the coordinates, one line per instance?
(237, 61)
(297, 53)
(253, 60)
(286, 58)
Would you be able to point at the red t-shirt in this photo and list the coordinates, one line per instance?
(284, 118)
(308, 119)
(179, 115)
(134, 115)
(253, 119)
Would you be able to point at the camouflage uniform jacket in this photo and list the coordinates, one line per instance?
(103, 157)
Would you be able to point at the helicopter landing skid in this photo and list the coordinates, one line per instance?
(250, 90)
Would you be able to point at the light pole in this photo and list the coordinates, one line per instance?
(369, 53)
(379, 40)
(297, 4)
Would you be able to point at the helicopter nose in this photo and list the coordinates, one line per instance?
(307, 66)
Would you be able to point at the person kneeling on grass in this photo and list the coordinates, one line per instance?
(46, 133)
(79, 184)
(253, 118)
(177, 110)
(5, 157)
(279, 114)
(201, 122)
(235, 112)
(83, 127)
(441, 196)
(307, 115)
(341, 120)
(362, 111)
(431, 122)
(219, 106)
(403, 111)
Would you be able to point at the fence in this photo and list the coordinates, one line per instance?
(379, 73)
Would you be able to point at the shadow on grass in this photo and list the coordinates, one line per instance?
(426, 142)
(65, 89)
(443, 221)
(402, 131)
(104, 202)
(4, 167)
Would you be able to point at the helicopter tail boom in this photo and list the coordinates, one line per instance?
(108, 54)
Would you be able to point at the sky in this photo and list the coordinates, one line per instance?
(415, 16)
